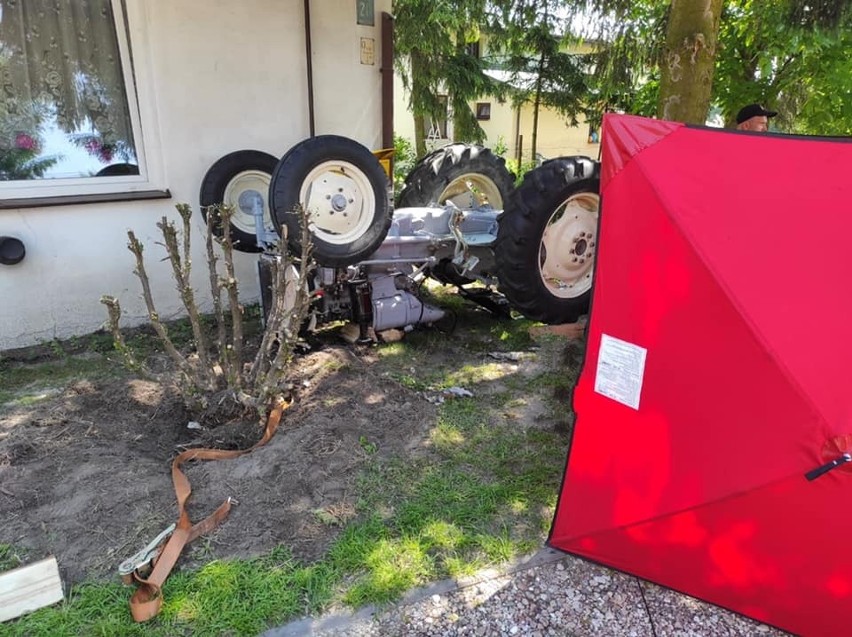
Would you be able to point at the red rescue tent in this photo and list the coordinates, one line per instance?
(718, 373)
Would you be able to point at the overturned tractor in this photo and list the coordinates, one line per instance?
(458, 220)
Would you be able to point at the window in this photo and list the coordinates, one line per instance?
(472, 49)
(436, 126)
(68, 118)
(483, 110)
(594, 136)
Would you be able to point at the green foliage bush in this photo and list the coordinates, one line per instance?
(404, 159)
(520, 171)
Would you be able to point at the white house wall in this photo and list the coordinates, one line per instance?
(347, 94)
(213, 76)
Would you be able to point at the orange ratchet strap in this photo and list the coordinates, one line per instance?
(147, 598)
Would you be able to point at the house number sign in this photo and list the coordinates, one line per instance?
(366, 12)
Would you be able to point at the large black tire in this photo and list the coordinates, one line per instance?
(344, 189)
(546, 241)
(238, 179)
(470, 176)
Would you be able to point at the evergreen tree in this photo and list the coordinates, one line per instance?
(432, 58)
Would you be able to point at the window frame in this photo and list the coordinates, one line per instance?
(142, 124)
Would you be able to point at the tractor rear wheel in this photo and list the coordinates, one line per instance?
(547, 240)
(469, 176)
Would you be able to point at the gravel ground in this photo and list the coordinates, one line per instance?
(545, 595)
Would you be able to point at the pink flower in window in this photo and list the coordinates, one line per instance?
(25, 142)
(105, 153)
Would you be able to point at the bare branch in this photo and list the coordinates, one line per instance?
(185, 213)
(275, 315)
(225, 352)
(135, 246)
(130, 360)
(230, 284)
(181, 272)
(287, 322)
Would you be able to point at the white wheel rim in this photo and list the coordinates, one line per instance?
(291, 278)
(339, 200)
(568, 246)
(240, 194)
(470, 191)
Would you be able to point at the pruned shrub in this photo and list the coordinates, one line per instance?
(219, 373)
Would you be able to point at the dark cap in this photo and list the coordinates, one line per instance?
(753, 110)
(12, 250)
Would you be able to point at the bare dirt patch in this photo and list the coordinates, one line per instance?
(84, 473)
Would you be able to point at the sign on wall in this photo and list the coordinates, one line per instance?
(368, 51)
(366, 12)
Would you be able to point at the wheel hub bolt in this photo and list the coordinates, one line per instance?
(338, 203)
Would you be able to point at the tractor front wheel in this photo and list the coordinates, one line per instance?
(344, 190)
(239, 180)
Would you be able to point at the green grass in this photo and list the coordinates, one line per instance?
(144, 341)
(54, 364)
(482, 492)
(473, 373)
(236, 597)
(11, 558)
(483, 332)
(30, 383)
(484, 495)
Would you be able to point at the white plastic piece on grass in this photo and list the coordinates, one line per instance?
(457, 392)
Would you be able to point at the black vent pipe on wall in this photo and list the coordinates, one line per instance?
(387, 80)
(310, 66)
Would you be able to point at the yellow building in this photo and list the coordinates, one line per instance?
(505, 126)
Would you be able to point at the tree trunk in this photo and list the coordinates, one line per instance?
(417, 88)
(419, 136)
(457, 104)
(686, 71)
(536, 106)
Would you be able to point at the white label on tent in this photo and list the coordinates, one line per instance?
(621, 368)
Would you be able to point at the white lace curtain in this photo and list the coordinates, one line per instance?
(60, 59)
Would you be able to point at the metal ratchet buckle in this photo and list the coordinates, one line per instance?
(144, 557)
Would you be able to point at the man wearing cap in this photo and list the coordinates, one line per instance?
(754, 118)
